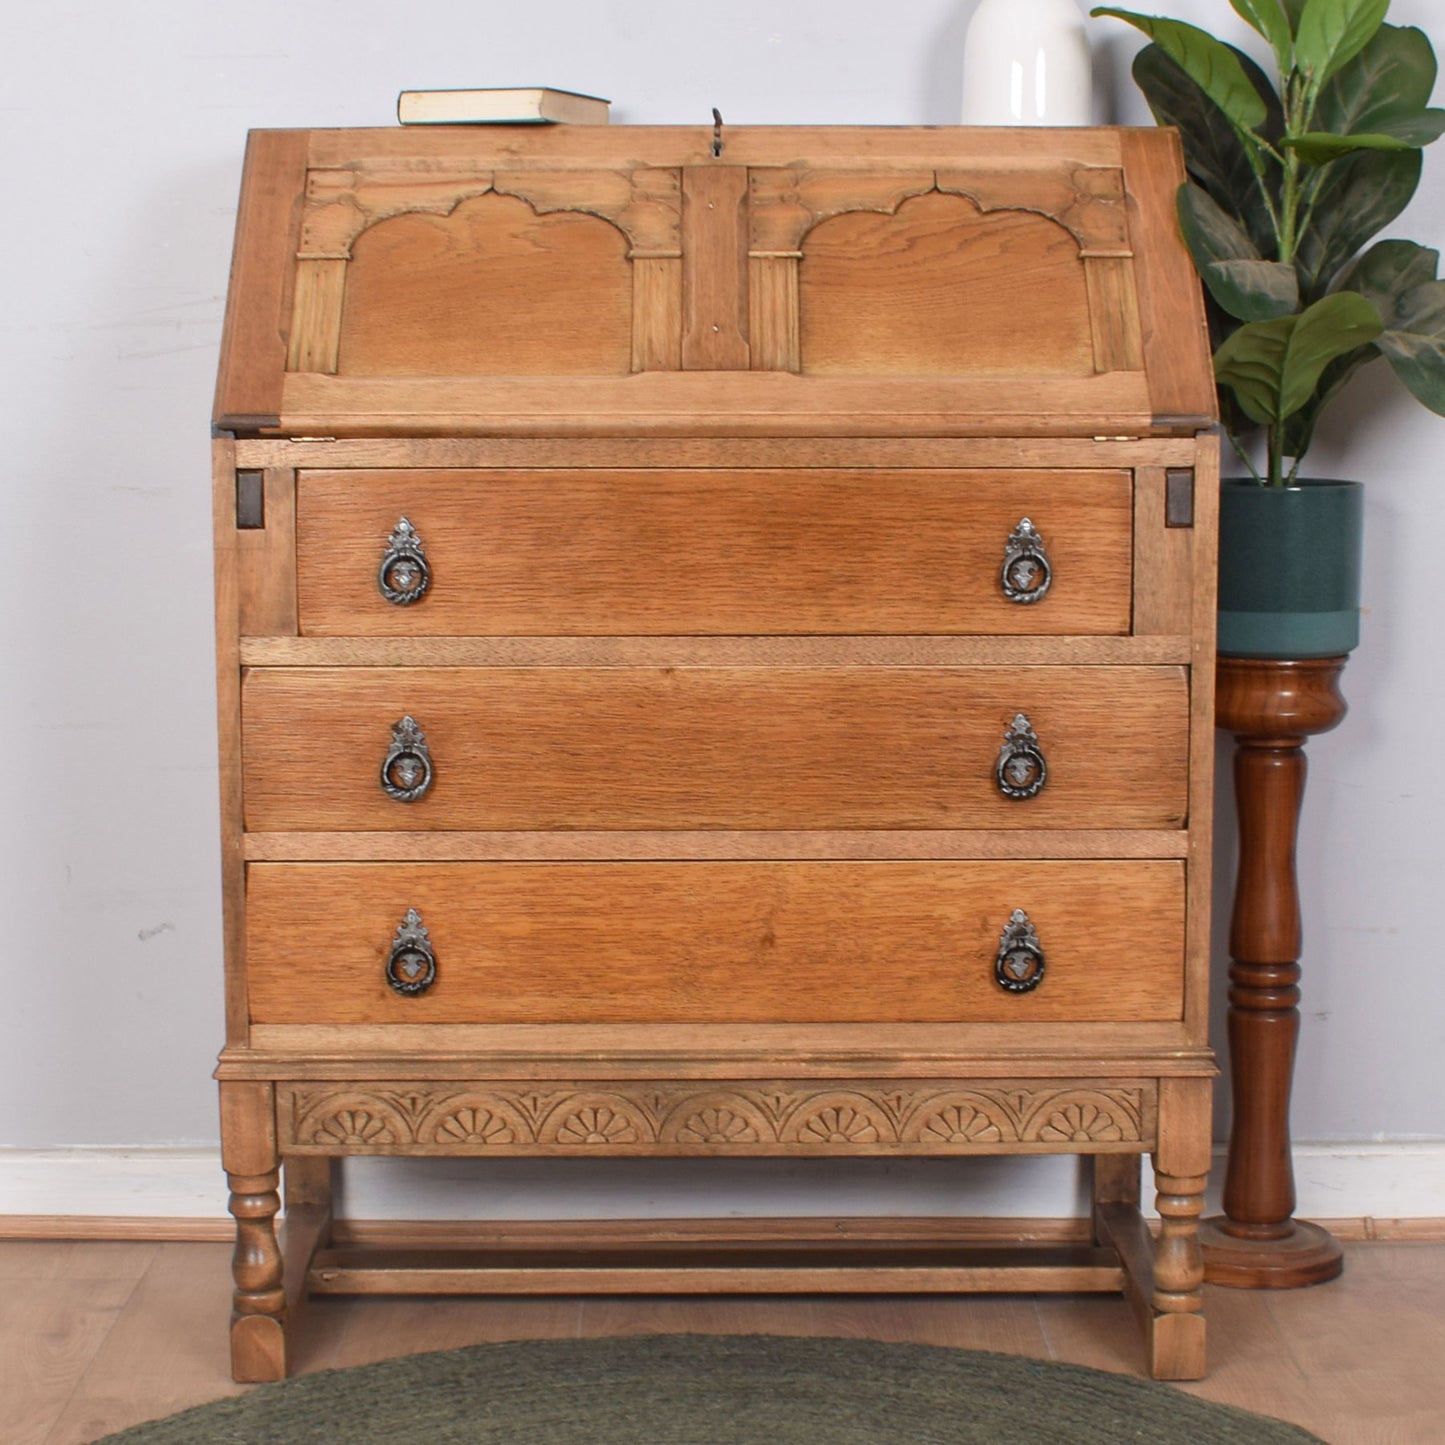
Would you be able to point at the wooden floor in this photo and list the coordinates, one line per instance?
(97, 1336)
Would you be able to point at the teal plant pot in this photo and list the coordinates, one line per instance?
(1289, 568)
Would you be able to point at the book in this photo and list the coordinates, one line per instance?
(531, 105)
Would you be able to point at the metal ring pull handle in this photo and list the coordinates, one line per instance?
(404, 575)
(1021, 770)
(1026, 573)
(1019, 967)
(411, 967)
(406, 772)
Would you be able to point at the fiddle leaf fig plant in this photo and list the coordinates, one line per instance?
(1289, 180)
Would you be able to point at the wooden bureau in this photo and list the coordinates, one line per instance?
(715, 653)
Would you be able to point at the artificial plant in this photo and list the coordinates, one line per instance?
(1288, 182)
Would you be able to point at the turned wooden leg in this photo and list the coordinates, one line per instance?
(248, 1153)
(1272, 706)
(1181, 1165)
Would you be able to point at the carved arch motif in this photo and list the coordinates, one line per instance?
(1087, 203)
(341, 204)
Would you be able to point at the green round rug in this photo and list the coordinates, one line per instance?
(713, 1390)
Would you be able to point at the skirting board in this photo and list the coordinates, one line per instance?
(1363, 1190)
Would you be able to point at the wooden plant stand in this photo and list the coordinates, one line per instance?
(1271, 707)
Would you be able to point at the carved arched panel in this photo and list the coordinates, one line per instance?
(939, 289)
(491, 289)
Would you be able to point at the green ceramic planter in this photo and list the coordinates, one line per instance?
(1289, 568)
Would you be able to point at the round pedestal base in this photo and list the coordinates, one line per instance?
(1307, 1255)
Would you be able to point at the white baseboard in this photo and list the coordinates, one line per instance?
(1334, 1181)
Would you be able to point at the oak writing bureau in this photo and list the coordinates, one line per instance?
(715, 660)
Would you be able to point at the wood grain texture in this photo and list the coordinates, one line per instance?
(696, 942)
(228, 729)
(723, 403)
(1114, 313)
(714, 552)
(692, 651)
(714, 268)
(736, 453)
(492, 289)
(715, 748)
(773, 313)
(265, 560)
(316, 314)
(936, 289)
(1171, 303)
(682, 843)
(253, 343)
(656, 313)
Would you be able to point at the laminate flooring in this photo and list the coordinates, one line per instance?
(96, 1336)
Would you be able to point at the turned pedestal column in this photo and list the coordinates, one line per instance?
(1271, 707)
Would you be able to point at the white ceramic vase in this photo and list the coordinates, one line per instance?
(1027, 62)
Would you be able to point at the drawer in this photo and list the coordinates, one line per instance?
(614, 553)
(631, 748)
(706, 942)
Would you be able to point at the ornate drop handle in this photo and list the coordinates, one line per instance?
(1019, 967)
(1021, 771)
(1026, 571)
(404, 575)
(411, 967)
(406, 772)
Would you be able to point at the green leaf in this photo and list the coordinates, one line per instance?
(1386, 272)
(1331, 32)
(1292, 10)
(1356, 199)
(1273, 367)
(1299, 430)
(1244, 284)
(1270, 21)
(1208, 62)
(1317, 147)
(1213, 152)
(1414, 343)
(1383, 90)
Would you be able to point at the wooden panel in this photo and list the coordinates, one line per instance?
(656, 313)
(714, 292)
(1163, 562)
(266, 562)
(721, 552)
(882, 650)
(773, 312)
(939, 290)
(733, 452)
(535, 943)
(1171, 303)
(316, 316)
(683, 843)
(1114, 313)
(724, 403)
(492, 289)
(715, 748)
(253, 345)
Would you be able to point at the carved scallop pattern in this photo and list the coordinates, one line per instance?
(717, 1119)
(1085, 1119)
(473, 1121)
(596, 1122)
(838, 1120)
(749, 1117)
(970, 1119)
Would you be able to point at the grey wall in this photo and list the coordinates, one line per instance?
(121, 131)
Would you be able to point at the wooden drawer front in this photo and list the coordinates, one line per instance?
(702, 943)
(630, 748)
(708, 552)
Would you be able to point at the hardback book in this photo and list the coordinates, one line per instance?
(531, 105)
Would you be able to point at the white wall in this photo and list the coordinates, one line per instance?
(121, 131)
